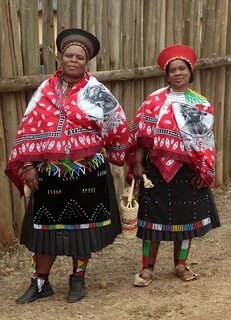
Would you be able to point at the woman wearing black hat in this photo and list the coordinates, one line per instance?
(171, 141)
(72, 127)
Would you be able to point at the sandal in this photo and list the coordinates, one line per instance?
(185, 273)
(144, 278)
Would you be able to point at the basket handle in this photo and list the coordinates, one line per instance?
(147, 182)
(131, 191)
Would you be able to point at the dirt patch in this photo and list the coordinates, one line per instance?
(109, 278)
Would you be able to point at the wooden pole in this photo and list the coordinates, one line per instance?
(6, 218)
(29, 36)
(22, 83)
(102, 32)
(64, 9)
(208, 77)
(169, 35)
(160, 41)
(207, 49)
(178, 26)
(192, 32)
(128, 9)
(91, 27)
(116, 62)
(149, 29)
(11, 206)
(220, 49)
(138, 53)
(227, 112)
(221, 35)
(76, 14)
(48, 41)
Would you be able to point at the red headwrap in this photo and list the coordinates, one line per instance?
(176, 51)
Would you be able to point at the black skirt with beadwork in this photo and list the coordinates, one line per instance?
(72, 216)
(175, 210)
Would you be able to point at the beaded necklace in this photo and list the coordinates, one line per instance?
(66, 86)
(189, 96)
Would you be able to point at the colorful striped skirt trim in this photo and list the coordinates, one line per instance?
(174, 228)
(72, 227)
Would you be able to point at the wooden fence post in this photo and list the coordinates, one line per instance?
(12, 207)
(116, 61)
(48, 40)
(219, 99)
(227, 106)
(192, 10)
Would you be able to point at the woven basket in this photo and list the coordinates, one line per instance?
(27, 191)
(129, 210)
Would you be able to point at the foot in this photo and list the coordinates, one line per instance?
(144, 278)
(77, 289)
(39, 288)
(185, 273)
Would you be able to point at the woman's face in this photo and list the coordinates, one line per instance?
(178, 75)
(73, 63)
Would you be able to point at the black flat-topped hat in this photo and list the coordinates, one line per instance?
(79, 37)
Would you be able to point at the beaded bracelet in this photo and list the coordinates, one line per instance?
(27, 164)
(32, 167)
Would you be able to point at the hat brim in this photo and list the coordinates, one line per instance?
(176, 51)
(79, 34)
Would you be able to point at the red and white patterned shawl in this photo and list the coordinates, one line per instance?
(87, 121)
(176, 128)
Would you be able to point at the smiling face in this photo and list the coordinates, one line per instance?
(73, 63)
(179, 75)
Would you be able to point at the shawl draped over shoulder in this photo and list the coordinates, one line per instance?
(89, 120)
(176, 129)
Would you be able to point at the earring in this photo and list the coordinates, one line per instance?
(60, 71)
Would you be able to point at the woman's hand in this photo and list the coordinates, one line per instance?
(31, 178)
(138, 171)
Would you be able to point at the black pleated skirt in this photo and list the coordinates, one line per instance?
(72, 242)
(175, 210)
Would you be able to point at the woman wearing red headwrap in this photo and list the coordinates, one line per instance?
(171, 141)
(72, 127)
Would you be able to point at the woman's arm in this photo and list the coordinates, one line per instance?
(139, 169)
(30, 175)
